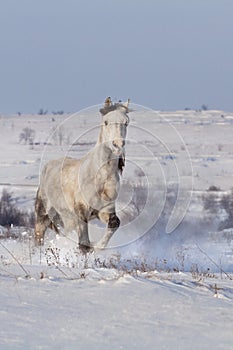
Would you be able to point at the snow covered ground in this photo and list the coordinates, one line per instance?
(148, 290)
(103, 301)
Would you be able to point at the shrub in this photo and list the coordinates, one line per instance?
(211, 200)
(214, 189)
(11, 215)
(204, 107)
(227, 205)
(60, 112)
(215, 204)
(27, 135)
(42, 111)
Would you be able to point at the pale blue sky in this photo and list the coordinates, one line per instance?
(70, 54)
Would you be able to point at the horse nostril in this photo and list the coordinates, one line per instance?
(114, 144)
(118, 144)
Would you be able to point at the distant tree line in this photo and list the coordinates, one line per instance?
(43, 111)
(204, 107)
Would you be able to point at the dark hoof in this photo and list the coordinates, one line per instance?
(85, 248)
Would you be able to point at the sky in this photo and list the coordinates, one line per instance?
(72, 54)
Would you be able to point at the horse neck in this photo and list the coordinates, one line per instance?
(104, 154)
(100, 139)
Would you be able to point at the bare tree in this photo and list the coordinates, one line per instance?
(42, 111)
(27, 136)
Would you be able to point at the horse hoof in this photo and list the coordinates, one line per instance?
(85, 248)
(98, 248)
(39, 242)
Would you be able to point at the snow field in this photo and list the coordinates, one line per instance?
(157, 292)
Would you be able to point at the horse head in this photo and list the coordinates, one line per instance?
(114, 125)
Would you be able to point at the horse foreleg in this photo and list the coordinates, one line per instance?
(113, 223)
(42, 223)
(84, 242)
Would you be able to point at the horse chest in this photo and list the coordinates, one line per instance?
(109, 190)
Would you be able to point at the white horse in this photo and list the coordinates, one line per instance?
(74, 191)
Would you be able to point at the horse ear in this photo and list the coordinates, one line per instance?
(107, 106)
(121, 163)
(126, 104)
(108, 102)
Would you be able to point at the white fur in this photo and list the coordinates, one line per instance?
(74, 191)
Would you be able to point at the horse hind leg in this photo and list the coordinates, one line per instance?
(42, 221)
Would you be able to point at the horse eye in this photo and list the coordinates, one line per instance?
(106, 122)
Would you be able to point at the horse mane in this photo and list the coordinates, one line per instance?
(121, 163)
(109, 106)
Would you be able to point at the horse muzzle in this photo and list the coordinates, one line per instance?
(118, 146)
